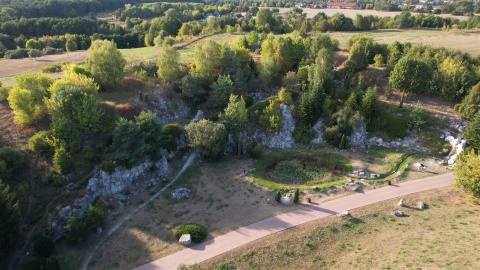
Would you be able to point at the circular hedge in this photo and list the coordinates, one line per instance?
(196, 231)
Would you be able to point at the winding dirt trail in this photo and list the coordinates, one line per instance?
(134, 211)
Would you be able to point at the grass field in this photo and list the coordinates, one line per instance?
(463, 40)
(442, 236)
(350, 13)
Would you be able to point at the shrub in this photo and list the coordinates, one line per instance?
(40, 144)
(271, 118)
(107, 167)
(43, 246)
(254, 150)
(278, 196)
(16, 54)
(296, 195)
(12, 160)
(170, 133)
(393, 125)
(90, 154)
(304, 134)
(94, 217)
(196, 231)
(285, 96)
(75, 229)
(63, 161)
(52, 68)
(417, 118)
(3, 93)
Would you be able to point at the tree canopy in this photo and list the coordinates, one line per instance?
(106, 64)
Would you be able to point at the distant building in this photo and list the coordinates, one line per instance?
(339, 5)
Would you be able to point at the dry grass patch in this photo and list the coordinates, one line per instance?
(443, 236)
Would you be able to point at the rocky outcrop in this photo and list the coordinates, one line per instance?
(111, 185)
(407, 142)
(358, 139)
(181, 193)
(319, 127)
(168, 110)
(458, 145)
(284, 138)
(199, 116)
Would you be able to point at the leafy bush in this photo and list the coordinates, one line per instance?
(170, 133)
(107, 167)
(16, 54)
(208, 137)
(271, 118)
(417, 117)
(65, 134)
(77, 227)
(393, 125)
(43, 246)
(3, 93)
(63, 161)
(52, 68)
(9, 220)
(90, 154)
(254, 150)
(304, 134)
(51, 50)
(196, 231)
(11, 160)
(285, 96)
(40, 144)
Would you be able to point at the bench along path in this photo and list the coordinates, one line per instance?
(245, 235)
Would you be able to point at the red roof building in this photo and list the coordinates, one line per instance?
(342, 5)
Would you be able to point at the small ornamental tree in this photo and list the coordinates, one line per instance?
(296, 195)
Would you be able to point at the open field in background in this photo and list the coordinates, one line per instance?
(443, 236)
(311, 12)
(463, 40)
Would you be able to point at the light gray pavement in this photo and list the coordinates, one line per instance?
(242, 236)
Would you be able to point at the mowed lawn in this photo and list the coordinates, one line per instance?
(443, 236)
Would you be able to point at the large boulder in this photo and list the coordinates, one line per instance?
(185, 239)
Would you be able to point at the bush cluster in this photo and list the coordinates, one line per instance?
(254, 150)
(78, 226)
(196, 231)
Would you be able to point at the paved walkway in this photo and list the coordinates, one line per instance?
(242, 236)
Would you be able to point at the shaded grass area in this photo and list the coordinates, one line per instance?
(263, 167)
(443, 236)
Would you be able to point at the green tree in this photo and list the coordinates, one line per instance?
(63, 161)
(9, 220)
(168, 67)
(222, 89)
(358, 59)
(70, 45)
(472, 133)
(470, 105)
(150, 130)
(170, 134)
(128, 143)
(296, 195)
(320, 74)
(81, 106)
(192, 93)
(353, 101)
(11, 161)
(208, 138)
(106, 64)
(467, 173)
(208, 59)
(235, 118)
(370, 107)
(411, 75)
(65, 134)
(26, 109)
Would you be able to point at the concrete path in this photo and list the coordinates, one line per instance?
(242, 236)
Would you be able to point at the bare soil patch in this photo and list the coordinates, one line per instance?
(223, 199)
(11, 67)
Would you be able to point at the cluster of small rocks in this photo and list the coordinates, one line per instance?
(284, 138)
(458, 145)
(361, 173)
(181, 193)
(407, 142)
